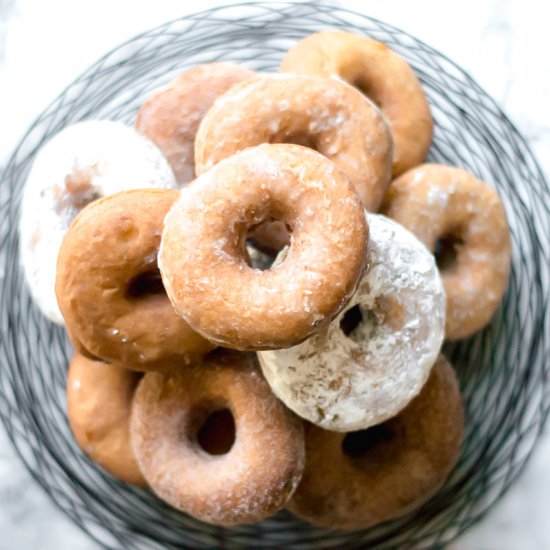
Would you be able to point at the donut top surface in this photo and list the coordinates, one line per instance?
(449, 209)
(193, 464)
(109, 288)
(202, 258)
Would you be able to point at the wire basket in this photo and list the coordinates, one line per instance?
(503, 370)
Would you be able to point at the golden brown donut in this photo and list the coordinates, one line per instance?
(356, 480)
(462, 219)
(381, 75)
(203, 262)
(320, 113)
(171, 117)
(99, 398)
(109, 289)
(214, 442)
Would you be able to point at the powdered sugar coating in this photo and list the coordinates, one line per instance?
(82, 163)
(347, 383)
(258, 474)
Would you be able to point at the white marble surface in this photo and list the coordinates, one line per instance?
(503, 43)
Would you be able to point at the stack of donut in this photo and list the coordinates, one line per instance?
(257, 281)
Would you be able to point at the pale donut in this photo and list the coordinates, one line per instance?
(171, 117)
(224, 472)
(83, 162)
(202, 256)
(380, 74)
(355, 481)
(346, 383)
(443, 204)
(99, 399)
(321, 113)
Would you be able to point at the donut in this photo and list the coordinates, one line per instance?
(359, 479)
(202, 256)
(382, 75)
(461, 219)
(109, 288)
(99, 398)
(82, 163)
(214, 442)
(323, 114)
(170, 117)
(376, 355)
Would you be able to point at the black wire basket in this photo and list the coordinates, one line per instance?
(503, 370)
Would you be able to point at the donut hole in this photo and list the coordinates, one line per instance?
(146, 285)
(257, 258)
(446, 251)
(269, 237)
(350, 321)
(358, 444)
(298, 138)
(216, 434)
(78, 190)
(365, 87)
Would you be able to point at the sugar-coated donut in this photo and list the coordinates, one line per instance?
(321, 113)
(214, 442)
(381, 75)
(357, 480)
(463, 219)
(83, 162)
(202, 257)
(346, 380)
(171, 117)
(109, 288)
(99, 399)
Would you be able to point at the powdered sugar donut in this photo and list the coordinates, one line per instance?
(353, 375)
(81, 163)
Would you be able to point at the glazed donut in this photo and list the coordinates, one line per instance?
(461, 219)
(109, 288)
(376, 355)
(81, 163)
(202, 259)
(214, 442)
(170, 118)
(99, 398)
(357, 480)
(381, 75)
(324, 114)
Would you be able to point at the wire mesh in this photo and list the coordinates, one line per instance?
(503, 370)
